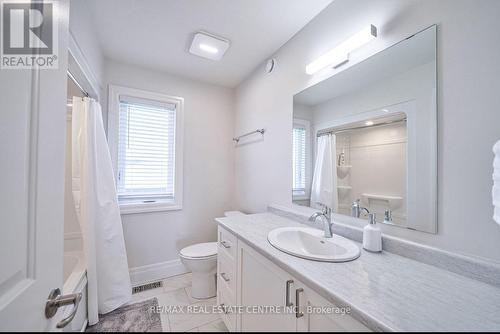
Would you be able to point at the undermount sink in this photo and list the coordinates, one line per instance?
(310, 243)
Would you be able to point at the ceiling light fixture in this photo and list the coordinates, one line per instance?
(208, 46)
(340, 54)
(369, 123)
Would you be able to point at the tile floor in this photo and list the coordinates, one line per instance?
(176, 292)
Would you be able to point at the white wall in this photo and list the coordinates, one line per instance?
(154, 238)
(83, 33)
(82, 29)
(468, 114)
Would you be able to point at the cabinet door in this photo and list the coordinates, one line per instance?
(262, 284)
(319, 315)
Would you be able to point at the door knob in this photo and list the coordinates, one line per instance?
(56, 300)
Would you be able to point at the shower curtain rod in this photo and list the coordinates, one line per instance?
(77, 83)
(358, 128)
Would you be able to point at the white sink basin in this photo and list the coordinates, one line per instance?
(310, 243)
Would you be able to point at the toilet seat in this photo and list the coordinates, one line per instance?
(200, 251)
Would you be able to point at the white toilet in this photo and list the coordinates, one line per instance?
(201, 260)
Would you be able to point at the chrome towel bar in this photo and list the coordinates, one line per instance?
(261, 131)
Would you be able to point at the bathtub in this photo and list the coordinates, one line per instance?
(75, 280)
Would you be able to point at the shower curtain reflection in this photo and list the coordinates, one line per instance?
(324, 183)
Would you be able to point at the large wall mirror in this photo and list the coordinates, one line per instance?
(365, 139)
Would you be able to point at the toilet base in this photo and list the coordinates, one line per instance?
(204, 285)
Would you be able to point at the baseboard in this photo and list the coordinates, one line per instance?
(156, 272)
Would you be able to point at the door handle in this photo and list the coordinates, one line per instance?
(298, 313)
(56, 300)
(287, 293)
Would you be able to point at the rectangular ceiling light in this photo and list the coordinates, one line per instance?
(340, 54)
(208, 46)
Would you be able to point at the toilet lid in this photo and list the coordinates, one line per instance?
(200, 250)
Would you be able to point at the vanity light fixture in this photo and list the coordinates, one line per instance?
(208, 46)
(340, 54)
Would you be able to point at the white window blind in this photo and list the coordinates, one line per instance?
(299, 160)
(146, 150)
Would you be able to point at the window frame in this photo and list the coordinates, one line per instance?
(131, 207)
(308, 177)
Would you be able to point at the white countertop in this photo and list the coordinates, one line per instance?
(385, 291)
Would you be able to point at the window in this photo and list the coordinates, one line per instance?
(144, 133)
(300, 158)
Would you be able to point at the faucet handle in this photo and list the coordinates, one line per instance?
(388, 215)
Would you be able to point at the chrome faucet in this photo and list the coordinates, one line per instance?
(326, 216)
(356, 209)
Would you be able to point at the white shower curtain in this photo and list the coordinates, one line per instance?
(324, 183)
(98, 212)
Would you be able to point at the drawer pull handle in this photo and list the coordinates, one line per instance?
(287, 293)
(298, 313)
(224, 308)
(224, 243)
(224, 277)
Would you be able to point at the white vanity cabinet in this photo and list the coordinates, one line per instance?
(262, 283)
(327, 320)
(227, 276)
(258, 284)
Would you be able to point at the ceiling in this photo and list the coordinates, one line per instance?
(157, 33)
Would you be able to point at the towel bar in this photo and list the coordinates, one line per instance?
(261, 131)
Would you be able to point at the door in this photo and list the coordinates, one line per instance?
(263, 284)
(32, 142)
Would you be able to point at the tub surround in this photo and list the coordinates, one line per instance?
(385, 291)
(75, 281)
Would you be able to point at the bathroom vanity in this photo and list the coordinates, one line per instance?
(375, 292)
(246, 277)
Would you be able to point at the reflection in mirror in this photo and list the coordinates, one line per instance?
(364, 140)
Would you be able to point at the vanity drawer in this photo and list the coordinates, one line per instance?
(225, 298)
(226, 273)
(227, 243)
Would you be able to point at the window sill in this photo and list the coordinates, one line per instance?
(131, 208)
(300, 197)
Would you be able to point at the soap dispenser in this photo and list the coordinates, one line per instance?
(372, 236)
